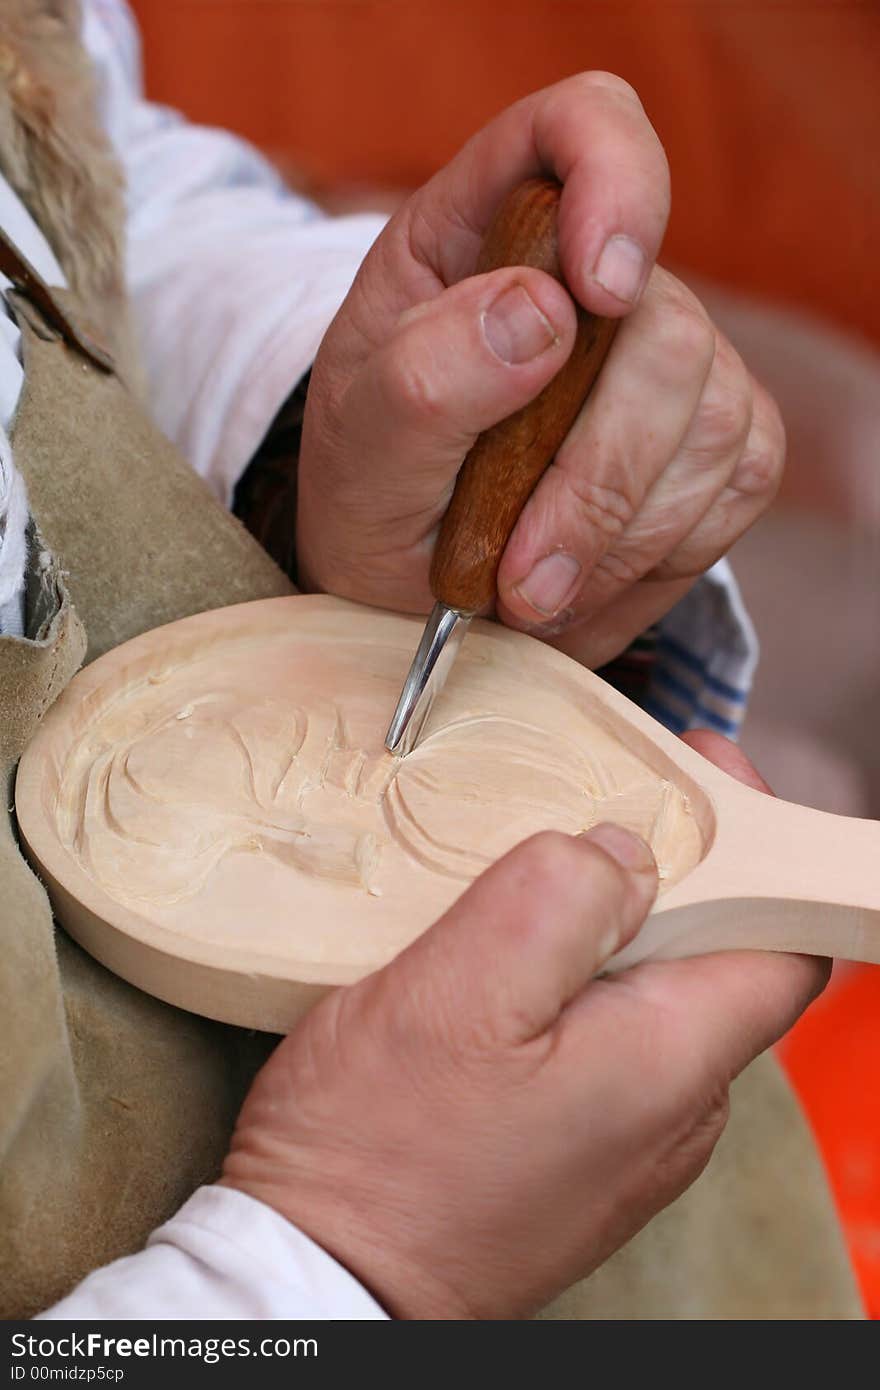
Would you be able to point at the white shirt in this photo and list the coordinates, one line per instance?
(224, 1255)
(234, 281)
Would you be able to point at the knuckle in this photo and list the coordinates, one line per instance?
(605, 508)
(694, 1142)
(708, 1125)
(618, 569)
(494, 1035)
(599, 79)
(413, 386)
(544, 858)
(723, 419)
(540, 866)
(760, 469)
(686, 337)
(727, 402)
(550, 859)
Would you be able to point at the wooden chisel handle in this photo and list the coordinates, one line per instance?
(502, 469)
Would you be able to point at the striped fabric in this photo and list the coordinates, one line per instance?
(694, 670)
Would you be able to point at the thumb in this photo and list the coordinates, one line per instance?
(451, 368)
(531, 933)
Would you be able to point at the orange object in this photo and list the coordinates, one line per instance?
(833, 1060)
(770, 112)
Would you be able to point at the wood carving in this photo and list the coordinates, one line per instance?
(217, 820)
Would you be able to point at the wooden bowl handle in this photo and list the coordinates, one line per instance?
(505, 464)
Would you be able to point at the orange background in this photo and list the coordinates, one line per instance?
(770, 114)
(769, 109)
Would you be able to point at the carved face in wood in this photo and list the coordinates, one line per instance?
(196, 767)
(178, 775)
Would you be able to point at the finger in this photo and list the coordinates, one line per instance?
(592, 133)
(666, 538)
(728, 756)
(634, 422)
(596, 637)
(708, 1017)
(529, 934)
(745, 497)
(451, 368)
(608, 633)
(665, 530)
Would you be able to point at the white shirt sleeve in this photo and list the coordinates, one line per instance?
(21, 229)
(223, 1256)
(233, 278)
(13, 543)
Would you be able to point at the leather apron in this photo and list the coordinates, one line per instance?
(114, 1106)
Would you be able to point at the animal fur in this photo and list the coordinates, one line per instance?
(59, 160)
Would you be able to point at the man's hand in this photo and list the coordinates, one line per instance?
(675, 454)
(482, 1122)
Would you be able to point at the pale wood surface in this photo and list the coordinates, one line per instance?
(216, 819)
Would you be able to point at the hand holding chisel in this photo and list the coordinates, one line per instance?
(503, 466)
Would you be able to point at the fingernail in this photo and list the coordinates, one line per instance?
(620, 268)
(551, 583)
(515, 328)
(627, 849)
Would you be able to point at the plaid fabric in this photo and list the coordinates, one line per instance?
(704, 657)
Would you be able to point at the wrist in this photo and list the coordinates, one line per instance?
(369, 1250)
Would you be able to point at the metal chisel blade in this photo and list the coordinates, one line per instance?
(443, 635)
